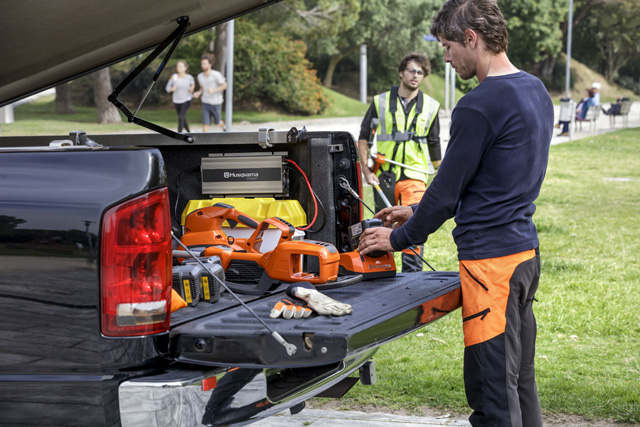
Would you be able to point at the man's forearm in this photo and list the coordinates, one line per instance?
(363, 149)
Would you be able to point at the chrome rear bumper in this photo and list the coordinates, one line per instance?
(195, 397)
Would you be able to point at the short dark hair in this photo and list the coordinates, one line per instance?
(482, 16)
(418, 57)
(209, 57)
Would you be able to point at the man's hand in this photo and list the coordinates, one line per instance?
(370, 177)
(375, 239)
(394, 215)
(196, 95)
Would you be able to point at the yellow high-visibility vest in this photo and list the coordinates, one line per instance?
(408, 143)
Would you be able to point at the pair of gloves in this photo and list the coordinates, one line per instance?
(316, 301)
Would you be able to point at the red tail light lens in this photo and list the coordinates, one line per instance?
(135, 266)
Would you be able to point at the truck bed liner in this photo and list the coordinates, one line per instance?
(383, 310)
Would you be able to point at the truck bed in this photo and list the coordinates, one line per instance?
(226, 334)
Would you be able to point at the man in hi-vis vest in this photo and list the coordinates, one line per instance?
(409, 133)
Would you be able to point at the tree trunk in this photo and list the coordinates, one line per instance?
(331, 68)
(546, 70)
(102, 88)
(220, 48)
(63, 99)
(333, 63)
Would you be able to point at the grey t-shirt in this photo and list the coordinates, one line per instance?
(213, 80)
(182, 93)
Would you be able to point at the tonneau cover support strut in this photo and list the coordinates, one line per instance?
(173, 39)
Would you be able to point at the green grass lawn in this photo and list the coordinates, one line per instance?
(588, 309)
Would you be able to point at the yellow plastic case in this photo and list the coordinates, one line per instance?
(258, 209)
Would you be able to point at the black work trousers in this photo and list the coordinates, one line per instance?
(500, 334)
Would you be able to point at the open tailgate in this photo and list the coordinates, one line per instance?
(383, 310)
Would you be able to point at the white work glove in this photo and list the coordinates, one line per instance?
(289, 310)
(318, 302)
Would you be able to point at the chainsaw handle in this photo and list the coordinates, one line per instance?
(231, 214)
(287, 230)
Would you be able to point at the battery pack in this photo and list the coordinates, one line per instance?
(210, 278)
(186, 281)
(244, 174)
(356, 230)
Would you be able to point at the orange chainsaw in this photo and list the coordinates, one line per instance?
(241, 258)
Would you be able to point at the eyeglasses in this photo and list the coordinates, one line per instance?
(414, 71)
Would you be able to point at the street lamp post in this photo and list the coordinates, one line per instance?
(569, 33)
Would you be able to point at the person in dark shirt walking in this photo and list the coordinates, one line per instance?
(490, 176)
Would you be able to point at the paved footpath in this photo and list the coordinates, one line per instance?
(352, 124)
(332, 418)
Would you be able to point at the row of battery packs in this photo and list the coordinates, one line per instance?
(195, 284)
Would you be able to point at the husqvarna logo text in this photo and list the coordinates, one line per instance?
(245, 175)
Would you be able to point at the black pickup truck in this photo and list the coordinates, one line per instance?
(86, 334)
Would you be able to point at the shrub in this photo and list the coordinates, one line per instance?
(272, 69)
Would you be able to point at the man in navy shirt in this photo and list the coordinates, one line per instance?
(491, 174)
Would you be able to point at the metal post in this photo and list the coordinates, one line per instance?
(228, 112)
(453, 88)
(6, 114)
(447, 75)
(363, 73)
(569, 31)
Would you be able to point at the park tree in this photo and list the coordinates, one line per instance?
(617, 33)
(535, 34)
(390, 29)
(102, 88)
(324, 25)
(274, 72)
(63, 99)
(220, 47)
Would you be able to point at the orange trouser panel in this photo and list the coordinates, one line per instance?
(485, 291)
(410, 192)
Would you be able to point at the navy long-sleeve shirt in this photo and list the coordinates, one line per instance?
(492, 171)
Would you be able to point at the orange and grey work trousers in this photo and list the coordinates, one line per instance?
(408, 192)
(499, 337)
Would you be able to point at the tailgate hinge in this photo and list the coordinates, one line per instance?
(263, 137)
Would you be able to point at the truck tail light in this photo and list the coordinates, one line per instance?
(135, 266)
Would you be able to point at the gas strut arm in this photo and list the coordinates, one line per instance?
(173, 39)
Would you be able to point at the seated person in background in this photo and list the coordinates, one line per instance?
(595, 87)
(615, 108)
(581, 110)
(583, 107)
